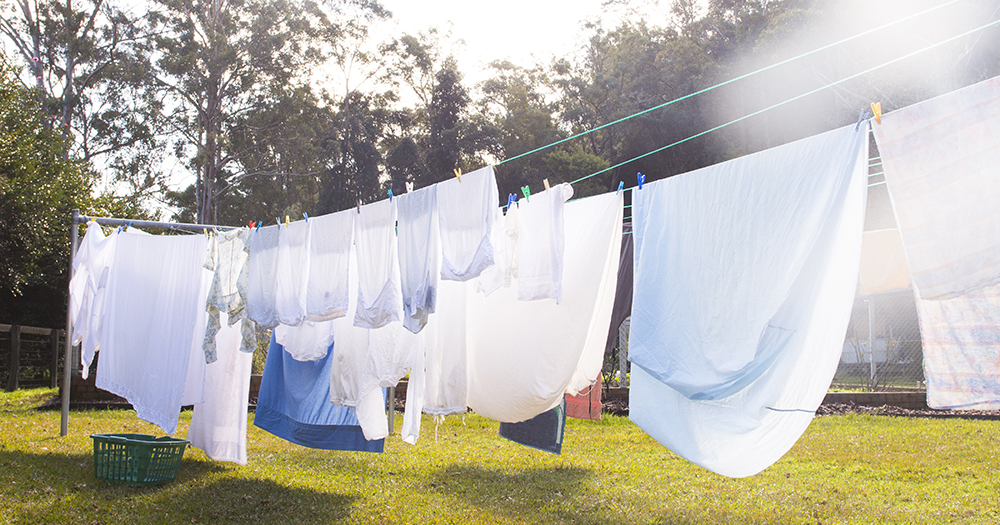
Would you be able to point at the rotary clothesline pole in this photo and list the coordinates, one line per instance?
(75, 220)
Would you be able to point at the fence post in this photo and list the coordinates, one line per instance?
(871, 346)
(68, 345)
(15, 351)
(54, 365)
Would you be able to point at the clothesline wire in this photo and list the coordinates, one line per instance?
(803, 95)
(727, 82)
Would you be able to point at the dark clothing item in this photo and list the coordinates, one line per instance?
(544, 431)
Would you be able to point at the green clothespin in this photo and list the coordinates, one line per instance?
(527, 193)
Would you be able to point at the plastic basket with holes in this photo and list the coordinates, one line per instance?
(137, 459)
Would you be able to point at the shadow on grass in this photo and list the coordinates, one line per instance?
(532, 496)
(58, 488)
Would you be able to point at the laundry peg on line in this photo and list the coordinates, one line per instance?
(511, 199)
(458, 174)
(546, 183)
(621, 186)
(861, 118)
(877, 111)
(286, 221)
(359, 206)
(409, 187)
(390, 194)
(527, 193)
(641, 179)
(306, 215)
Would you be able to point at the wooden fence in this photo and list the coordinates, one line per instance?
(30, 356)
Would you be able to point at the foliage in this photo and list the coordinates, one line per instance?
(844, 469)
(39, 187)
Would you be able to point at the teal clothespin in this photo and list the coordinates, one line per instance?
(527, 193)
(390, 194)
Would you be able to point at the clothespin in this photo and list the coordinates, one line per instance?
(390, 194)
(861, 118)
(129, 225)
(641, 178)
(409, 187)
(546, 183)
(458, 174)
(204, 232)
(527, 193)
(359, 206)
(258, 225)
(511, 199)
(877, 111)
(286, 221)
(250, 225)
(621, 186)
(277, 220)
(306, 215)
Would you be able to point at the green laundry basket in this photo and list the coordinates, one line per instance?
(137, 459)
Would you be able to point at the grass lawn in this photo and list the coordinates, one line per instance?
(845, 469)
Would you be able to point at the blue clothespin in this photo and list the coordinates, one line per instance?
(621, 186)
(527, 193)
(258, 225)
(390, 194)
(511, 199)
(641, 178)
(861, 117)
(129, 225)
(306, 215)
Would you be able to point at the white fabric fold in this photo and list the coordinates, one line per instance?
(378, 301)
(419, 255)
(941, 159)
(745, 275)
(153, 300)
(466, 211)
(445, 350)
(88, 291)
(524, 355)
(219, 425)
(329, 257)
(541, 243)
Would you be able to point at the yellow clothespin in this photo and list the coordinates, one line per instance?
(546, 183)
(286, 221)
(458, 174)
(877, 111)
(204, 232)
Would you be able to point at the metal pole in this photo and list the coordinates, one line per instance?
(871, 347)
(68, 354)
(392, 407)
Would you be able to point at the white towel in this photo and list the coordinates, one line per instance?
(466, 213)
(329, 257)
(540, 244)
(419, 255)
(292, 273)
(378, 267)
(261, 268)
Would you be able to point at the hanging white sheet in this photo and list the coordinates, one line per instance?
(745, 275)
(329, 256)
(219, 424)
(261, 268)
(941, 160)
(88, 290)
(445, 349)
(466, 212)
(524, 355)
(291, 277)
(541, 243)
(419, 255)
(153, 299)
(378, 294)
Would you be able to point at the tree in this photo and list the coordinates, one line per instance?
(448, 101)
(224, 59)
(38, 188)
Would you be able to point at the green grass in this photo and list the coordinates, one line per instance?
(845, 469)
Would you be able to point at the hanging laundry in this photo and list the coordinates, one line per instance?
(504, 240)
(194, 380)
(262, 268)
(228, 293)
(294, 404)
(524, 355)
(623, 293)
(544, 431)
(466, 210)
(540, 244)
(961, 343)
(378, 301)
(368, 360)
(291, 277)
(445, 349)
(88, 290)
(941, 164)
(745, 275)
(586, 404)
(219, 424)
(883, 264)
(329, 256)
(153, 300)
(307, 341)
(419, 255)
